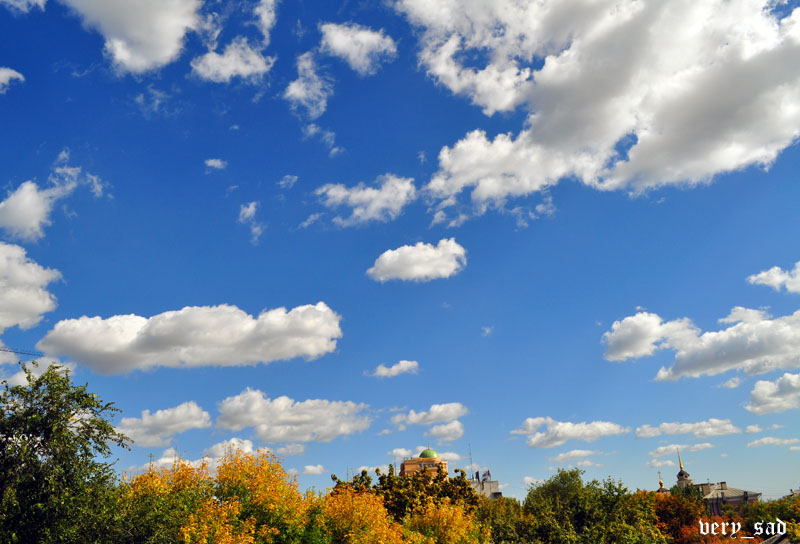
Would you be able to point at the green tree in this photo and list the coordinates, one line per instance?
(565, 510)
(53, 489)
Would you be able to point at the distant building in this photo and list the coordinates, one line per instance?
(719, 494)
(428, 460)
(485, 485)
(715, 495)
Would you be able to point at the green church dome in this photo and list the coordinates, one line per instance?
(428, 454)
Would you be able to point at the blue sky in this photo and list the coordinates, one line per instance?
(552, 234)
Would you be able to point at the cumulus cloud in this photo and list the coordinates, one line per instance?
(438, 413)
(285, 420)
(158, 428)
(239, 59)
(401, 367)
(23, 289)
(216, 164)
(140, 35)
(291, 449)
(310, 90)
(213, 455)
(420, 262)
(710, 427)
(7, 75)
(247, 216)
(26, 210)
(754, 343)
(574, 455)
(194, 336)
(382, 203)
(769, 397)
(778, 279)
(313, 469)
(447, 432)
(751, 429)
(772, 441)
(36, 369)
(673, 449)
(400, 453)
(557, 433)
(658, 463)
(629, 95)
(362, 48)
(266, 17)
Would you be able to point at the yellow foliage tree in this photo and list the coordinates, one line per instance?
(446, 523)
(353, 517)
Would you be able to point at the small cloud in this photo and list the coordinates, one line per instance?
(287, 181)
(310, 220)
(314, 470)
(215, 164)
(530, 480)
(291, 449)
(486, 331)
(401, 367)
(733, 383)
(247, 213)
(421, 157)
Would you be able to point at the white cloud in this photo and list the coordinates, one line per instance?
(673, 449)
(285, 420)
(287, 181)
(266, 17)
(754, 343)
(239, 59)
(558, 432)
(400, 453)
(530, 480)
(327, 137)
(310, 90)
(23, 6)
(487, 331)
(438, 413)
(573, 455)
(216, 164)
(751, 429)
(641, 335)
(772, 441)
(220, 449)
(401, 367)
(362, 48)
(7, 75)
(658, 463)
(194, 336)
(23, 289)
(212, 459)
(140, 35)
(450, 456)
(310, 220)
(384, 203)
(26, 210)
(157, 429)
(778, 396)
(778, 278)
(247, 216)
(291, 449)
(710, 427)
(447, 432)
(733, 383)
(313, 469)
(420, 262)
(680, 84)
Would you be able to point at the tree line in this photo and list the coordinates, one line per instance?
(57, 486)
